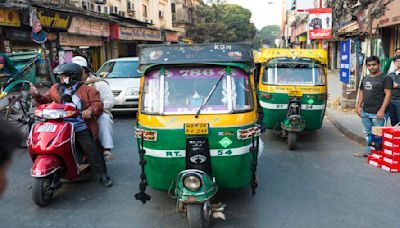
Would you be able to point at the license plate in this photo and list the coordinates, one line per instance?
(47, 128)
(196, 128)
(295, 93)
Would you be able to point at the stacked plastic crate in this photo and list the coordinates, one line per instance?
(390, 160)
(386, 149)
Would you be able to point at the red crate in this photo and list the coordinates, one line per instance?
(390, 163)
(391, 133)
(374, 161)
(377, 152)
(389, 169)
(391, 152)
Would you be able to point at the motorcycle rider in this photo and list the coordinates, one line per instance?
(105, 120)
(86, 99)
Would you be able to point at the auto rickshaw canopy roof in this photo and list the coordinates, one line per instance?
(231, 54)
(272, 53)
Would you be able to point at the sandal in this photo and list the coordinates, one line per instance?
(360, 155)
(108, 156)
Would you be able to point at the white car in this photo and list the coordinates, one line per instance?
(124, 80)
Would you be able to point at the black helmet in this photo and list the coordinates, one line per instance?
(71, 70)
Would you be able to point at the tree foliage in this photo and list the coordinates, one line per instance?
(219, 22)
(267, 36)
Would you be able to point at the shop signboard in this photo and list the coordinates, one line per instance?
(320, 23)
(76, 40)
(345, 58)
(135, 33)
(9, 18)
(89, 27)
(18, 35)
(54, 19)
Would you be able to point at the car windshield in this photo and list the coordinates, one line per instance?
(120, 69)
(294, 74)
(184, 90)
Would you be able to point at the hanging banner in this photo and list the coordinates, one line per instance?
(320, 23)
(9, 18)
(345, 59)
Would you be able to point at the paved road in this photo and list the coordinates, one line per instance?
(320, 185)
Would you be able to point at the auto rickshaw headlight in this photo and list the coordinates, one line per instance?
(310, 101)
(192, 182)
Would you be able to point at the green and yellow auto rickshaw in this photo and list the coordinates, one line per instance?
(197, 124)
(292, 90)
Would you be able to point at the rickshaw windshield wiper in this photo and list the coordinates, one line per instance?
(209, 95)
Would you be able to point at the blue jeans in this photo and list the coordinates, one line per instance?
(370, 120)
(394, 112)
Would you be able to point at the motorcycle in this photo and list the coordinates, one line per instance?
(51, 146)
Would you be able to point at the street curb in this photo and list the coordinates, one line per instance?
(347, 132)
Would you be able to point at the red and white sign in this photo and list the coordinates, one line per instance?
(320, 23)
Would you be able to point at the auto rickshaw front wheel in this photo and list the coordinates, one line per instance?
(292, 140)
(196, 216)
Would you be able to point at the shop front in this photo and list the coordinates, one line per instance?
(127, 39)
(9, 19)
(54, 23)
(85, 37)
(389, 28)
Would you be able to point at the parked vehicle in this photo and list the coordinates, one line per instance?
(124, 80)
(196, 124)
(292, 90)
(53, 151)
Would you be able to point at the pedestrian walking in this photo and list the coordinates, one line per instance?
(390, 66)
(395, 101)
(374, 99)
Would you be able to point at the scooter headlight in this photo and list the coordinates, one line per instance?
(191, 182)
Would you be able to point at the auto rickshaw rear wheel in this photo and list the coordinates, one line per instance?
(196, 216)
(292, 140)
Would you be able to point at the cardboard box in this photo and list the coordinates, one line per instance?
(378, 131)
(389, 169)
(374, 161)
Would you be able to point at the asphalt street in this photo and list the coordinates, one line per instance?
(319, 185)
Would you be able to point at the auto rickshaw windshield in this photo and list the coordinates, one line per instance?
(183, 91)
(294, 73)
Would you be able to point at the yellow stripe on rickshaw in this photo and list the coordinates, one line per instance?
(286, 89)
(177, 121)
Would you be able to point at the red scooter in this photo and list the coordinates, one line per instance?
(53, 152)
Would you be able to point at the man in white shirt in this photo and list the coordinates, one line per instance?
(105, 120)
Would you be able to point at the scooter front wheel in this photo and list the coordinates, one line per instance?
(196, 216)
(42, 192)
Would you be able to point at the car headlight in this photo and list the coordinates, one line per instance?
(132, 91)
(191, 182)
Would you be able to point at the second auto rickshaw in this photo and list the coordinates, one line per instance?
(196, 124)
(292, 90)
